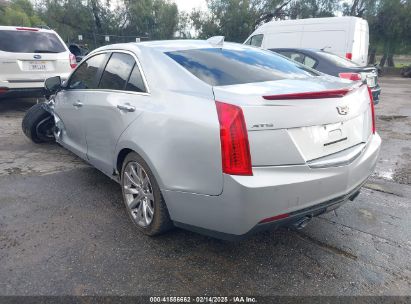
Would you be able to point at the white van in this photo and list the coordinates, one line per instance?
(345, 36)
(27, 57)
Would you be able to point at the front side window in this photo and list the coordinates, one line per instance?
(256, 40)
(22, 41)
(117, 72)
(219, 67)
(85, 76)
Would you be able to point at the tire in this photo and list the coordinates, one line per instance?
(151, 224)
(38, 124)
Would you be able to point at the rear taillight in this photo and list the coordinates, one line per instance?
(350, 76)
(348, 56)
(372, 110)
(235, 149)
(3, 90)
(73, 61)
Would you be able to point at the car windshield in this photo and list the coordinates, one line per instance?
(220, 67)
(30, 42)
(339, 61)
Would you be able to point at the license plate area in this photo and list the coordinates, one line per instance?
(37, 66)
(318, 141)
(372, 81)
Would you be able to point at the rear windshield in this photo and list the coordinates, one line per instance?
(220, 67)
(339, 61)
(30, 42)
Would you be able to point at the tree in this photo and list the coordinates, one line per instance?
(392, 20)
(18, 13)
(389, 23)
(155, 19)
(68, 17)
(184, 26)
(235, 19)
(313, 8)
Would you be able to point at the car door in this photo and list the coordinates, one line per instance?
(69, 104)
(119, 100)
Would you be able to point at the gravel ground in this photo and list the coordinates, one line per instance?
(64, 231)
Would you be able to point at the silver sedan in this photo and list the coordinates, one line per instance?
(215, 137)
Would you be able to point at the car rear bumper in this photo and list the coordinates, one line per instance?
(22, 93)
(246, 201)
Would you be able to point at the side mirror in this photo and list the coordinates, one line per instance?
(53, 84)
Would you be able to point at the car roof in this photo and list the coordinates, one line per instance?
(305, 21)
(173, 45)
(25, 28)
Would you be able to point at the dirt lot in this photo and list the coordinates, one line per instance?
(64, 231)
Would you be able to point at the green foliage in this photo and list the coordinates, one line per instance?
(18, 13)
(124, 20)
(155, 19)
(313, 9)
(237, 19)
(389, 22)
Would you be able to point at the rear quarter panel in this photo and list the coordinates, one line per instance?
(179, 138)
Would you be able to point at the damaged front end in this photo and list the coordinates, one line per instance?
(58, 124)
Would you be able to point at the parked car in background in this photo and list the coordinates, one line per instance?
(27, 57)
(406, 71)
(344, 36)
(219, 138)
(332, 64)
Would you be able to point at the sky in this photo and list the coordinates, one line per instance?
(188, 5)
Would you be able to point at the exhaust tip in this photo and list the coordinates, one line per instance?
(301, 223)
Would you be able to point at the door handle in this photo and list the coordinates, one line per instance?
(126, 107)
(78, 104)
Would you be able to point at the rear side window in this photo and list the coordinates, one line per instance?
(310, 62)
(30, 42)
(85, 75)
(136, 82)
(117, 72)
(220, 67)
(339, 61)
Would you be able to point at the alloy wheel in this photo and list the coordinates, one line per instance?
(138, 194)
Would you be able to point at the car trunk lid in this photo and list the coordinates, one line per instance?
(25, 67)
(369, 75)
(285, 129)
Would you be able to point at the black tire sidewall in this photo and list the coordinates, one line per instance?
(31, 119)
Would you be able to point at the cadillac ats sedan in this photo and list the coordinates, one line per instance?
(215, 137)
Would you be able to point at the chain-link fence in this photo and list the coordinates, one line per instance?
(93, 40)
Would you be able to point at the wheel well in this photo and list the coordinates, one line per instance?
(120, 159)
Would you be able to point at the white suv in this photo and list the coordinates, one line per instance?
(27, 57)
